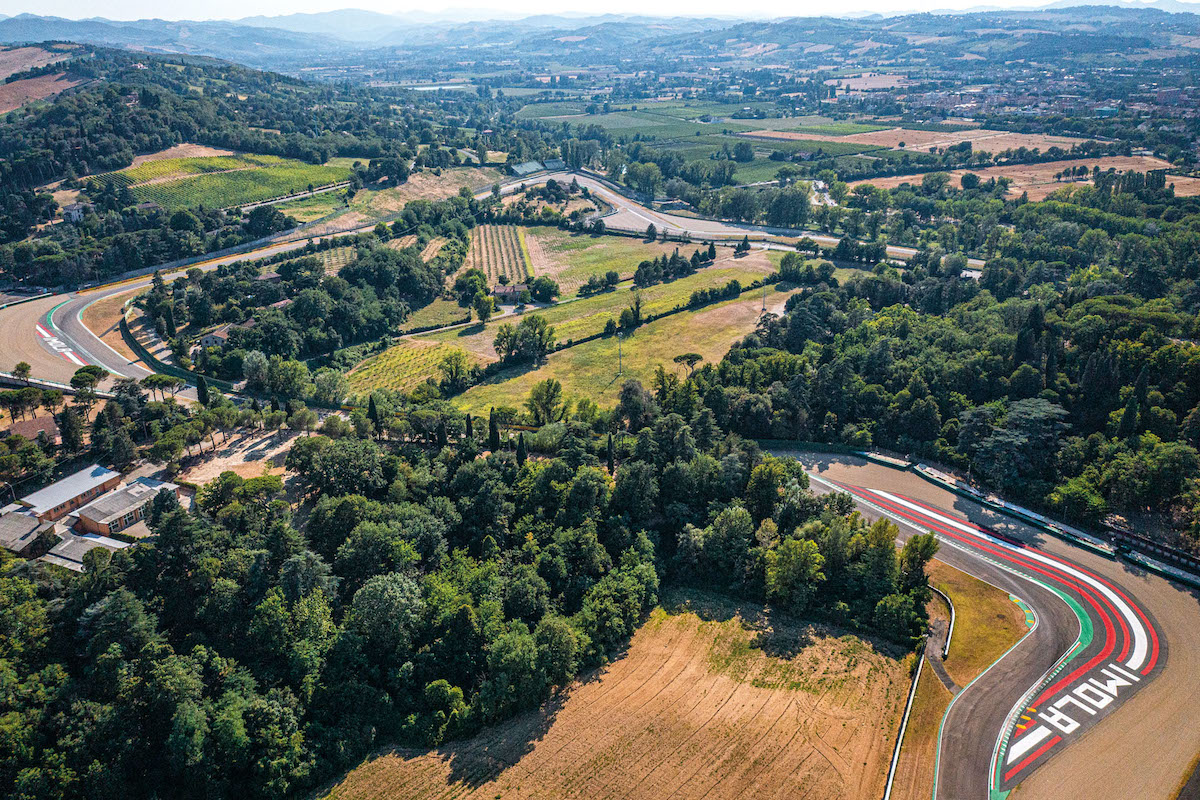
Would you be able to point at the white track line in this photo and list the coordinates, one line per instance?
(1140, 642)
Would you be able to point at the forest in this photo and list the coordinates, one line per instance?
(422, 589)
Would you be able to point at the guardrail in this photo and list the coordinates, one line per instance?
(8, 379)
(950, 631)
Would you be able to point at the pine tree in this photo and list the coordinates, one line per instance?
(70, 426)
(493, 433)
(612, 462)
(521, 450)
(202, 391)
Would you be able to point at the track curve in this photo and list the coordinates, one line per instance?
(1095, 646)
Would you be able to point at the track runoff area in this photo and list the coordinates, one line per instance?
(1118, 648)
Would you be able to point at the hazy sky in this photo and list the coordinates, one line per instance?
(233, 9)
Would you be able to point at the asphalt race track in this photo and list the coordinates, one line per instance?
(49, 334)
(1096, 646)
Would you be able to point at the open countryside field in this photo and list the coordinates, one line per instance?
(401, 367)
(588, 316)
(221, 181)
(18, 93)
(572, 258)
(987, 624)
(1038, 179)
(590, 369)
(19, 59)
(711, 700)
(891, 138)
(498, 250)
(372, 205)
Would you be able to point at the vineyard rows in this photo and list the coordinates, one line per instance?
(246, 184)
(402, 367)
(187, 167)
(497, 250)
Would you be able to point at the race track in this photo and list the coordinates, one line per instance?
(1054, 711)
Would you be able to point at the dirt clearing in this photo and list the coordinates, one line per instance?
(185, 150)
(1039, 181)
(711, 700)
(248, 455)
(18, 93)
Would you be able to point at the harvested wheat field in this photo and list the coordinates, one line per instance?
(981, 139)
(711, 700)
(498, 250)
(19, 59)
(18, 93)
(1038, 179)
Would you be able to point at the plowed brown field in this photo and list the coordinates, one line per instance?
(710, 701)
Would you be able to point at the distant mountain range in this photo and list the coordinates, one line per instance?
(283, 42)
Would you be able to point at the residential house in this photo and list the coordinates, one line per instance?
(61, 498)
(216, 337)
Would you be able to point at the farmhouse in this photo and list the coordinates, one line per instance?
(31, 428)
(61, 498)
(75, 212)
(509, 294)
(216, 337)
(116, 511)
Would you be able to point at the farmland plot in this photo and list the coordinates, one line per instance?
(498, 250)
(698, 706)
(402, 367)
(222, 181)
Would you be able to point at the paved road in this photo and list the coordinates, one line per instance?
(629, 215)
(1093, 647)
(50, 335)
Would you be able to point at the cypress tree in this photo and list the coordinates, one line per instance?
(442, 438)
(612, 462)
(521, 449)
(255, 406)
(373, 413)
(1129, 419)
(202, 390)
(712, 252)
(493, 432)
(470, 428)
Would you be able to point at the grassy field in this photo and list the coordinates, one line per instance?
(987, 622)
(711, 699)
(498, 251)
(401, 367)
(587, 316)
(438, 313)
(571, 258)
(222, 181)
(590, 369)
